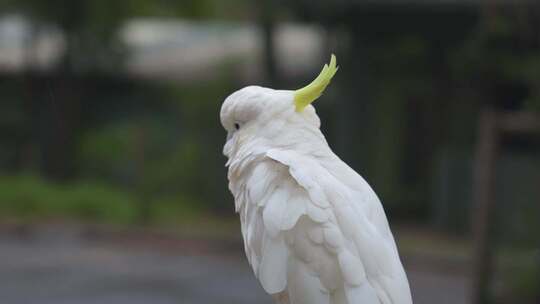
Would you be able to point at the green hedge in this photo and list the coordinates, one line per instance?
(31, 198)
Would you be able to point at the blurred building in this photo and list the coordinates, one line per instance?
(179, 50)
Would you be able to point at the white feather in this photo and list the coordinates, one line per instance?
(364, 293)
(351, 268)
(275, 211)
(314, 230)
(273, 267)
(304, 288)
(296, 207)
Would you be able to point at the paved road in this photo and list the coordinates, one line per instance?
(73, 270)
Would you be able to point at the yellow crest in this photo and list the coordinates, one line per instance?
(306, 95)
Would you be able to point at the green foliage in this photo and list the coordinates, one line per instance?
(103, 151)
(518, 274)
(28, 197)
(31, 198)
(196, 9)
(502, 53)
(167, 210)
(168, 146)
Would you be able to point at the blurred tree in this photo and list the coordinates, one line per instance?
(89, 30)
(53, 101)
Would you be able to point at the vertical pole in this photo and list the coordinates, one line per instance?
(267, 24)
(355, 109)
(482, 217)
(140, 143)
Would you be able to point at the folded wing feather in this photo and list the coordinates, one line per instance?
(305, 237)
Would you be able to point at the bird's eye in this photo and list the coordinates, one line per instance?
(237, 126)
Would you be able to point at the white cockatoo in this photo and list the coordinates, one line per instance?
(314, 231)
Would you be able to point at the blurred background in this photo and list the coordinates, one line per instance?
(112, 182)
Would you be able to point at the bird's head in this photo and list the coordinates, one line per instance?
(257, 112)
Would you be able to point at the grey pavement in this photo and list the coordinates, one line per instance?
(75, 270)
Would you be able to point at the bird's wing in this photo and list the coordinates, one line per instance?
(307, 237)
(262, 193)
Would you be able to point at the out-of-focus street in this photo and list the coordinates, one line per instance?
(57, 267)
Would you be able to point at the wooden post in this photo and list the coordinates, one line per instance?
(483, 184)
(481, 220)
(491, 126)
